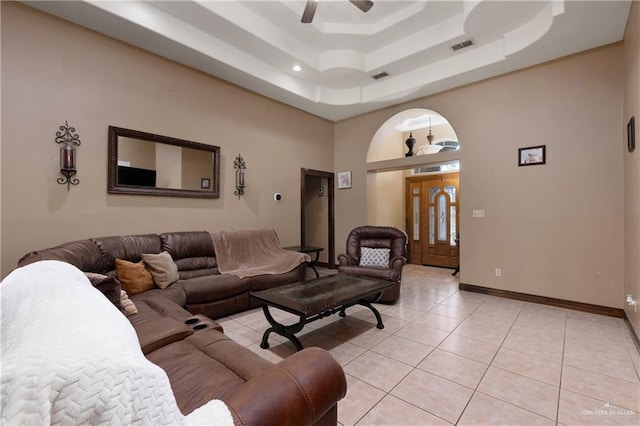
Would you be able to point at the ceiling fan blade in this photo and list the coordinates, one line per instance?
(309, 11)
(363, 5)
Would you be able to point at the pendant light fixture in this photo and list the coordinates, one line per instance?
(430, 135)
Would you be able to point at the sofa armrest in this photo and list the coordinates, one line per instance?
(299, 390)
(398, 262)
(153, 335)
(346, 260)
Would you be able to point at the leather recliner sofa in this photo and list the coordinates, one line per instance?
(201, 288)
(177, 331)
(377, 237)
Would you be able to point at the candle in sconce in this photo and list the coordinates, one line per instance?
(68, 157)
(241, 178)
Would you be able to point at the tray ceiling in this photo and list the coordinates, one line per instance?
(255, 44)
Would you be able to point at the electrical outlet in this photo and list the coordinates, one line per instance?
(498, 272)
(478, 213)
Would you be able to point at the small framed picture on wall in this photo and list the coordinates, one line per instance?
(532, 155)
(631, 134)
(344, 180)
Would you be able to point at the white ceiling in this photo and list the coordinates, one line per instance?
(255, 43)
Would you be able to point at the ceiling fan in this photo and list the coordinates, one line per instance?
(310, 8)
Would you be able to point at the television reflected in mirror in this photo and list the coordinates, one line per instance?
(148, 164)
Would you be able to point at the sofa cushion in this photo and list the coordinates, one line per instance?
(263, 282)
(127, 247)
(187, 244)
(221, 308)
(204, 358)
(83, 254)
(191, 267)
(173, 295)
(374, 257)
(153, 304)
(153, 335)
(212, 287)
(163, 270)
(134, 277)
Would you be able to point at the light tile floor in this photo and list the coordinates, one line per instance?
(453, 357)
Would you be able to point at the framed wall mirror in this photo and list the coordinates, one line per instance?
(143, 163)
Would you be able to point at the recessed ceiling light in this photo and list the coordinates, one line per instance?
(296, 68)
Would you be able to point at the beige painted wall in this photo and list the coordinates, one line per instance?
(384, 201)
(632, 163)
(54, 71)
(385, 205)
(554, 230)
(317, 216)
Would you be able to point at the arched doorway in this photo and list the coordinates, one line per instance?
(418, 193)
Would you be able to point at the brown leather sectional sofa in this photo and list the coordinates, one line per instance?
(177, 331)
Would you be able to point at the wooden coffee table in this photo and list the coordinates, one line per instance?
(316, 299)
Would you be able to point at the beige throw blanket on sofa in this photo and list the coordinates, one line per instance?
(251, 252)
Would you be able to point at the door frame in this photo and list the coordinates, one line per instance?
(423, 214)
(331, 195)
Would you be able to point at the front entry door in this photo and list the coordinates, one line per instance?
(432, 213)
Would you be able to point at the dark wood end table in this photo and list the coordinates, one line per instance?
(316, 299)
(307, 250)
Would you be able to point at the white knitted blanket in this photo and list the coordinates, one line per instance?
(70, 357)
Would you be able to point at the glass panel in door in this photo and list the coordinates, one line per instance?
(442, 217)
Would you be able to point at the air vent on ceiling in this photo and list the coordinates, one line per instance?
(380, 75)
(462, 45)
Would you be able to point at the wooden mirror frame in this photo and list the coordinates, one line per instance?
(115, 188)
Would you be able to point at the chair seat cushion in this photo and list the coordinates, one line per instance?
(372, 272)
(213, 287)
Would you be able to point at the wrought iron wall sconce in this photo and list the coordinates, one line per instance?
(70, 139)
(238, 164)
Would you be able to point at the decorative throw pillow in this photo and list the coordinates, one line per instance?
(133, 277)
(128, 307)
(163, 270)
(374, 257)
(109, 286)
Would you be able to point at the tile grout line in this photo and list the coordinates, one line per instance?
(475, 390)
(564, 344)
(413, 368)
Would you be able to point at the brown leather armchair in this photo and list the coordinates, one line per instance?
(377, 237)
